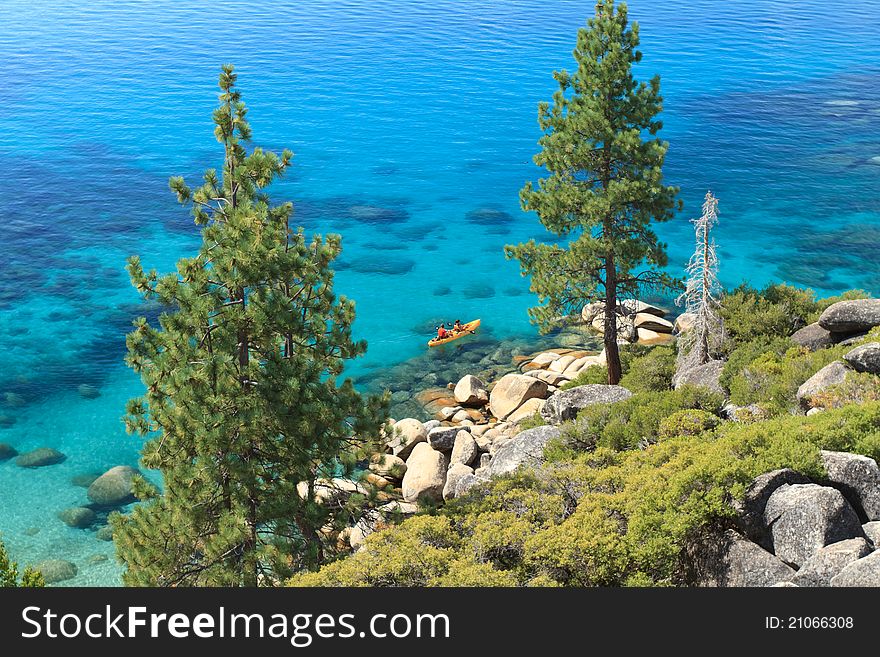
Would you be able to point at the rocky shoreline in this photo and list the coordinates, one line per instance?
(790, 530)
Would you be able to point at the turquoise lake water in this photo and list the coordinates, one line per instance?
(426, 110)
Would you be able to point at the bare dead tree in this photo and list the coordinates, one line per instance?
(703, 291)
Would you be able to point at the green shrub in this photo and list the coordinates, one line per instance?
(650, 368)
(849, 295)
(776, 311)
(690, 422)
(532, 421)
(633, 422)
(593, 374)
(651, 372)
(746, 352)
(772, 380)
(603, 518)
(9, 578)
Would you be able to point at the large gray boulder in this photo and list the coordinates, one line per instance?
(113, 488)
(751, 507)
(872, 531)
(56, 570)
(456, 472)
(470, 391)
(566, 404)
(804, 518)
(813, 337)
(829, 561)
(857, 477)
(443, 438)
(39, 458)
(511, 391)
(525, 449)
(466, 482)
(405, 435)
(864, 572)
(830, 375)
(425, 475)
(729, 559)
(851, 316)
(865, 358)
(707, 375)
(464, 450)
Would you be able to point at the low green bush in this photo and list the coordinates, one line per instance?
(592, 374)
(772, 379)
(689, 422)
(644, 368)
(651, 372)
(633, 422)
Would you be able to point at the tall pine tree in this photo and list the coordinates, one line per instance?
(243, 410)
(605, 183)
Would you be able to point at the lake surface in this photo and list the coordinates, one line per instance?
(424, 110)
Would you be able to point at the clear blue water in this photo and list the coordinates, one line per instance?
(426, 111)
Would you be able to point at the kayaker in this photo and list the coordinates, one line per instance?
(442, 332)
(457, 327)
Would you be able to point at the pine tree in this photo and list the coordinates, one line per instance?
(605, 183)
(9, 573)
(243, 402)
(702, 291)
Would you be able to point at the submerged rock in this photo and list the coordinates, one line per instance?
(105, 533)
(7, 451)
(87, 391)
(56, 570)
(113, 488)
(39, 458)
(79, 517)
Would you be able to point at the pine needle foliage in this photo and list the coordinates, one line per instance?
(9, 578)
(243, 399)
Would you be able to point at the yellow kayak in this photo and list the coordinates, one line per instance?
(466, 329)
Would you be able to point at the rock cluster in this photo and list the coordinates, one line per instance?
(796, 532)
(636, 321)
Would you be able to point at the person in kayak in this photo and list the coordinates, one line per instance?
(457, 327)
(442, 332)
